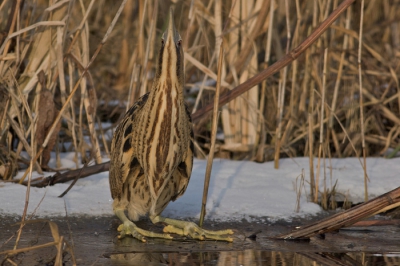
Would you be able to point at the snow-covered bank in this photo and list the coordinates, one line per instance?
(238, 189)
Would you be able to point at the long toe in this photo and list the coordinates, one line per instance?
(129, 228)
(195, 232)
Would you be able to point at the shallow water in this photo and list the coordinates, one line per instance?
(254, 257)
(95, 242)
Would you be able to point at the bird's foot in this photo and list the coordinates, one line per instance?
(129, 228)
(191, 229)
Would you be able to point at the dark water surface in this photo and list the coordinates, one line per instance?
(95, 242)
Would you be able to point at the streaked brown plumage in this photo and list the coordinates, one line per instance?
(152, 150)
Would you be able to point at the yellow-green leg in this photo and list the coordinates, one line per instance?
(191, 229)
(129, 228)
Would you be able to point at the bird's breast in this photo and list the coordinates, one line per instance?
(163, 135)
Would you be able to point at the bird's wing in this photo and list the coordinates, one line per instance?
(184, 170)
(123, 163)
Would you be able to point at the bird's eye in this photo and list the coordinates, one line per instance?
(162, 42)
(179, 43)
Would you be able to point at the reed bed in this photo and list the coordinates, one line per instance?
(66, 67)
(340, 98)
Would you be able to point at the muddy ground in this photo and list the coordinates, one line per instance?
(94, 241)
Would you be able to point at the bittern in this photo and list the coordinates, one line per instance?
(152, 151)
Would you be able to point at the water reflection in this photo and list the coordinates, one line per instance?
(254, 257)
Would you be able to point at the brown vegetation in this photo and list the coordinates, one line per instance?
(64, 63)
(310, 108)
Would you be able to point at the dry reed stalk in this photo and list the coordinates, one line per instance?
(35, 56)
(345, 133)
(346, 218)
(340, 68)
(203, 68)
(321, 124)
(124, 64)
(74, 45)
(281, 92)
(310, 141)
(88, 93)
(298, 189)
(239, 117)
(262, 127)
(310, 114)
(305, 83)
(233, 44)
(134, 86)
(28, 187)
(58, 242)
(149, 47)
(295, 53)
(213, 137)
(57, 119)
(103, 136)
(7, 43)
(208, 73)
(249, 117)
(58, 259)
(141, 42)
(361, 103)
(72, 125)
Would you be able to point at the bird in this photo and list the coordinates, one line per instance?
(152, 151)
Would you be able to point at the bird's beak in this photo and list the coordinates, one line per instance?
(171, 34)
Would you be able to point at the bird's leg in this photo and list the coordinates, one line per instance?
(129, 228)
(185, 228)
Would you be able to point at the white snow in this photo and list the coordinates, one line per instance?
(238, 190)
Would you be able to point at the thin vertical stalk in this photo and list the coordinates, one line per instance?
(261, 123)
(281, 93)
(310, 114)
(28, 188)
(340, 71)
(213, 136)
(132, 89)
(311, 138)
(149, 46)
(321, 124)
(361, 102)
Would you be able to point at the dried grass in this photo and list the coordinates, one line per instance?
(59, 243)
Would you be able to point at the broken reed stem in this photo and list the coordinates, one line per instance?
(346, 218)
(361, 103)
(213, 136)
(58, 259)
(11, 252)
(77, 85)
(321, 124)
